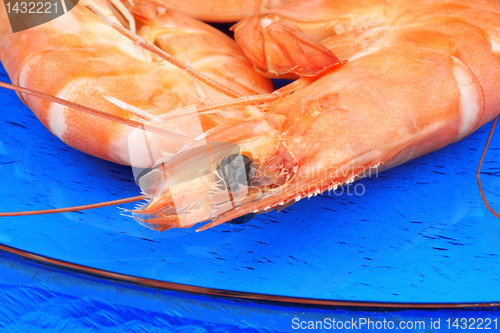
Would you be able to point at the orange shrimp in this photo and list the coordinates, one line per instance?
(222, 11)
(432, 78)
(305, 38)
(80, 58)
(423, 75)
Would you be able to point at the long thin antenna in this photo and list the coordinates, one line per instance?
(99, 113)
(76, 208)
(215, 108)
(479, 171)
(142, 42)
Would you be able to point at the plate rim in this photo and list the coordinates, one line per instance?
(230, 294)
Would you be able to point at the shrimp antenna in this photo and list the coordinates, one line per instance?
(99, 113)
(142, 42)
(241, 101)
(219, 107)
(216, 108)
(478, 174)
(76, 208)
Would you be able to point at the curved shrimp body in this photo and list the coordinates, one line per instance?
(222, 11)
(80, 58)
(305, 38)
(419, 88)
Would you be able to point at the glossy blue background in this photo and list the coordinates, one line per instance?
(420, 232)
(40, 298)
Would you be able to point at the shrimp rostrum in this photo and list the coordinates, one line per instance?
(430, 78)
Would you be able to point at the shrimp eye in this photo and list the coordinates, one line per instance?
(235, 169)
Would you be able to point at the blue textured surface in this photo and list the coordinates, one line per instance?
(420, 232)
(37, 298)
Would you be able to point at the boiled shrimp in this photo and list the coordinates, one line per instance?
(79, 58)
(424, 74)
(222, 11)
(305, 38)
(430, 79)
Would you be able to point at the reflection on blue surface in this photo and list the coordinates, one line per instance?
(36, 297)
(419, 232)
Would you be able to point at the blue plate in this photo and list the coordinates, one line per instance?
(417, 233)
(37, 297)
